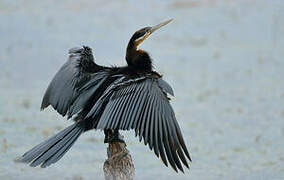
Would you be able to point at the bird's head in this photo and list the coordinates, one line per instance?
(140, 57)
(142, 34)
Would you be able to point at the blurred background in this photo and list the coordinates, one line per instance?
(223, 58)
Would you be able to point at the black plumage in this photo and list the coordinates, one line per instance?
(113, 98)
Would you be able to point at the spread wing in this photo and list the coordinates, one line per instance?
(142, 104)
(79, 72)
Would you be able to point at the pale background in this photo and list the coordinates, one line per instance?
(224, 59)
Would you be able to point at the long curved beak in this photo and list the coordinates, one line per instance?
(154, 28)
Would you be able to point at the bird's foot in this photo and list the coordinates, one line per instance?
(113, 136)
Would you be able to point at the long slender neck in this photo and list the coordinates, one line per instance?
(138, 59)
(130, 52)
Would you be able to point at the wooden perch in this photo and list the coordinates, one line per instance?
(119, 165)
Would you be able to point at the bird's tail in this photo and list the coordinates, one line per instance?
(52, 149)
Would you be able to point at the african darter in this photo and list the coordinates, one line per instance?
(112, 99)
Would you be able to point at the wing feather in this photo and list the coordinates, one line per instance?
(73, 75)
(131, 97)
(161, 139)
(147, 119)
(167, 147)
(155, 129)
(142, 104)
(86, 92)
(132, 114)
(144, 120)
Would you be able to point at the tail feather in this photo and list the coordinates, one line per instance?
(37, 150)
(54, 148)
(51, 150)
(59, 154)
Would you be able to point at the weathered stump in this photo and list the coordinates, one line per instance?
(119, 165)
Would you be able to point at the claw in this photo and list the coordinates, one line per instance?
(113, 136)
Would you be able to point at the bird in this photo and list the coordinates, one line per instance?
(130, 97)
